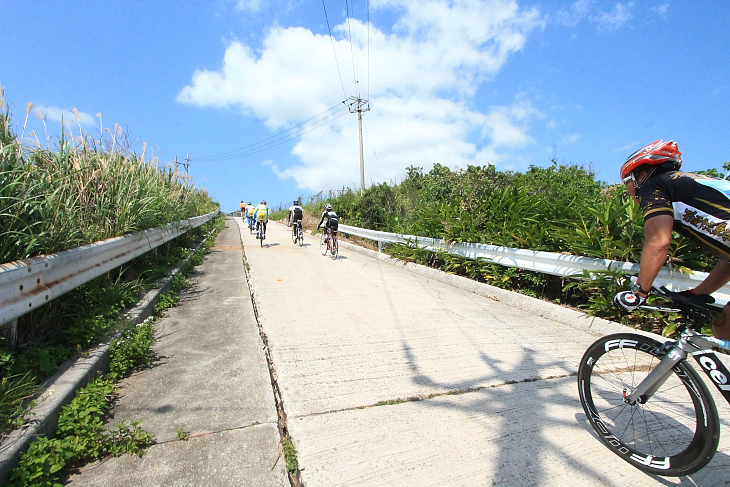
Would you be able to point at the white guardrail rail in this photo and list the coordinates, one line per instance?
(564, 265)
(27, 284)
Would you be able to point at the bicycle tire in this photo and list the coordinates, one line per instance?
(301, 236)
(323, 245)
(675, 433)
(335, 249)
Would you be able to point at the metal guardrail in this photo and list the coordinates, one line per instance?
(564, 265)
(27, 284)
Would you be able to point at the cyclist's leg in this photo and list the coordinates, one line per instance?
(721, 325)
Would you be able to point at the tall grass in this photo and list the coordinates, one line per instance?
(78, 193)
(81, 191)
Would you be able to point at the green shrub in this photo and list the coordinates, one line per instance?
(80, 437)
(131, 350)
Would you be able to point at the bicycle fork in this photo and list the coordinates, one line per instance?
(689, 343)
(658, 375)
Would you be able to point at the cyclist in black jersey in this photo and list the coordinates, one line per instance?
(695, 205)
(295, 213)
(329, 218)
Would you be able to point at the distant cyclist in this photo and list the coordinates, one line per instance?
(250, 210)
(295, 213)
(261, 216)
(329, 218)
(243, 209)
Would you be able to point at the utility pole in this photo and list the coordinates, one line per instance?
(187, 163)
(358, 105)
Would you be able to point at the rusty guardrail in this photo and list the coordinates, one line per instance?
(30, 283)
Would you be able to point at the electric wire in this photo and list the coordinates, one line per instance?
(367, 4)
(372, 146)
(292, 133)
(352, 50)
(334, 51)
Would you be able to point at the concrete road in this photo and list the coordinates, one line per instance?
(207, 400)
(391, 376)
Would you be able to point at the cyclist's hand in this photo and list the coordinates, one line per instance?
(697, 298)
(628, 300)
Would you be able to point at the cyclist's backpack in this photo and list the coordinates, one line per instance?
(333, 220)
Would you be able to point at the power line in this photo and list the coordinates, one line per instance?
(292, 133)
(367, 3)
(352, 51)
(332, 40)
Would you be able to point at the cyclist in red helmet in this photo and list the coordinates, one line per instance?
(695, 205)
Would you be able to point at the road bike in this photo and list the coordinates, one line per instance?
(251, 225)
(328, 244)
(260, 235)
(646, 402)
(297, 235)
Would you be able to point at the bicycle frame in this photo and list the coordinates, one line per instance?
(693, 343)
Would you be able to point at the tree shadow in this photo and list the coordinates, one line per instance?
(492, 400)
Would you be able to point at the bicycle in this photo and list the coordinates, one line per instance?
(328, 244)
(647, 404)
(297, 235)
(260, 235)
(251, 225)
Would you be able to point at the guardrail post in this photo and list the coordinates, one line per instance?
(14, 334)
(380, 246)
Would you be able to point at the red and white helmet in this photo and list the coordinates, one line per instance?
(653, 154)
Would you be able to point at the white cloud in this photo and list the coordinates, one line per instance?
(615, 18)
(71, 117)
(420, 75)
(606, 20)
(248, 5)
(661, 9)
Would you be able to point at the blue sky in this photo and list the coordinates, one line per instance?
(253, 90)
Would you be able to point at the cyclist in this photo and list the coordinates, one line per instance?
(243, 209)
(329, 218)
(261, 216)
(289, 215)
(295, 215)
(250, 210)
(696, 205)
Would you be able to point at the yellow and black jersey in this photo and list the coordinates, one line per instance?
(700, 206)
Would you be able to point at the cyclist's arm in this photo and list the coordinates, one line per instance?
(657, 239)
(321, 220)
(718, 277)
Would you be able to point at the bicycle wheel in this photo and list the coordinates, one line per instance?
(301, 236)
(335, 248)
(322, 245)
(674, 433)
